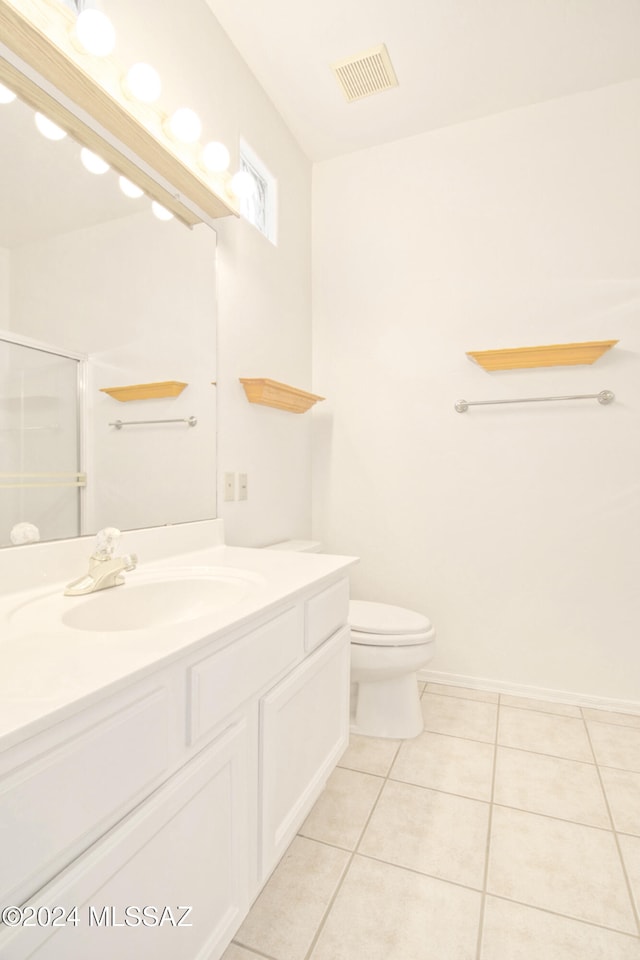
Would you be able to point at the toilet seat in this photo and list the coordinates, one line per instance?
(383, 625)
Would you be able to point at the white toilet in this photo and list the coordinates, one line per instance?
(388, 646)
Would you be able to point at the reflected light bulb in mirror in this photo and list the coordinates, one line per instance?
(143, 83)
(243, 184)
(92, 162)
(184, 125)
(95, 33)
(161, 212)
(215, 157)
(48, 128)
(6, 95)
(130, 189)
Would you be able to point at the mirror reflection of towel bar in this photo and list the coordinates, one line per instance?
(604, 397)
(119, 424)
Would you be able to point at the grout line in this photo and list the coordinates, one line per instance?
(252, 951)
(331, 902)
(565, 916)
(487, 851)
(614, 831)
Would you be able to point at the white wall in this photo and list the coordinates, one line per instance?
(264, 292)
(514, 528)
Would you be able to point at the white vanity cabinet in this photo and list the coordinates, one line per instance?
(304, 725)
(146, 824)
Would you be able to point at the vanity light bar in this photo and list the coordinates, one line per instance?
(126, 133)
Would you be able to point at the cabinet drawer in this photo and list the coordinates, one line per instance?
(223, 681)
(56, 804)
(325, 613)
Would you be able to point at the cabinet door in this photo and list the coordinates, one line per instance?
(304, 731)
(185, 847)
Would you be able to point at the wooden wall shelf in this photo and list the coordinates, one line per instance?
(146, 391)
(271, 393)
(551, 355)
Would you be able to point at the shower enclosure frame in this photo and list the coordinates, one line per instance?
(9, 336)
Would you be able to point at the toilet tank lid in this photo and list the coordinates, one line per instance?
(299, 546)
(368, 616)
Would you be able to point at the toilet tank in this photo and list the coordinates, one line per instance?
(298, 546)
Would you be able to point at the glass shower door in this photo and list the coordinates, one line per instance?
(40, 450)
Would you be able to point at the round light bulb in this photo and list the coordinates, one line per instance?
(95, 32)
(48, 128)
(129, 189)
(161, 212)
(215, 157)
(143, 83)
(184, 125)
(243, 184)
(6, 95)
(92, 162)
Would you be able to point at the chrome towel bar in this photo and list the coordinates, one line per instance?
(604, 397)
(119, 424)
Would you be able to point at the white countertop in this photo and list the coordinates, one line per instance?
(50, 671)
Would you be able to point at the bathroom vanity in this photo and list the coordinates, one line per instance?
(151, 777)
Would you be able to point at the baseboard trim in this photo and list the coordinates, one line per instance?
(533, 693)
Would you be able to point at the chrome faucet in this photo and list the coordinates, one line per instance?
(105, 570)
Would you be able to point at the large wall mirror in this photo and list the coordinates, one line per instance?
(96, 292)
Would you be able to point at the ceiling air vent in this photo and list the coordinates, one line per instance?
(366, 73)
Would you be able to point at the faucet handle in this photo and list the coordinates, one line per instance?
(106, 543)
(132, 560)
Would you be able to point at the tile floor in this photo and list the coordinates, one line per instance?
(508, 830)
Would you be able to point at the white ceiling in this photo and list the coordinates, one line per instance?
(456, 60)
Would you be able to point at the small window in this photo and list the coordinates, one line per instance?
(259, 208)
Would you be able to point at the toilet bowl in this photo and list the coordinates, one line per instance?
(389, 645)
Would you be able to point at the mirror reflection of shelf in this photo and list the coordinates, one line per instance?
(146, 391)
(271, 393)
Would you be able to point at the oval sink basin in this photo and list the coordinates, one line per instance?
(145, 600)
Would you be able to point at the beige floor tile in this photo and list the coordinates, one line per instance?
(609, 716)
(471, 719)
(630, 847)
(543, 706)
(369, 754)
(234, 952)
(342, 810)
(544, 733)
(465, 693)
(565, 867)
(622, 788)
(560, 788)
(514, 932)
(435, 833)
(383, 912)
(615, 746)
(283, 921)
(446, 763)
